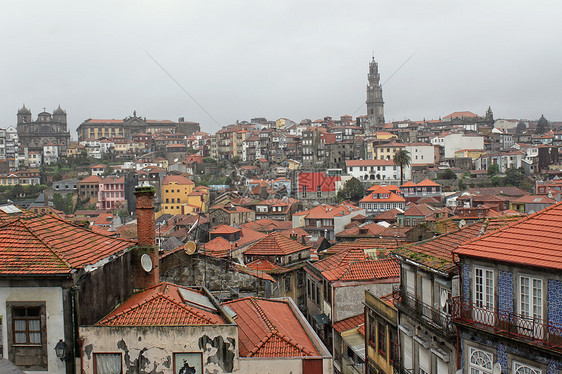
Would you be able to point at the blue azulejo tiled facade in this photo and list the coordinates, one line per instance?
(511, 315)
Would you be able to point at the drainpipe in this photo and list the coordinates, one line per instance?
(457, 328)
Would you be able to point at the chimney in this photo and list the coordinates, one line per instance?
(145, 268)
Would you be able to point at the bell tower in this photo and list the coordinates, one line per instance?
(375, 103)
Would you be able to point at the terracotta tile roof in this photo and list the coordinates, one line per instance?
(367, 243)
(436, 252)
(371, 229)
(218, 247)
(533, 240)
(264, 265)
(51, 245)
(329, 211)
(268, 225)
(390, 299)
(269, 328)
(341, 258)
(224, 229)
(253, 272)
(420, 210)
(91, 179)
(178, 179)
(460, 115)
(392, 198)
(428, 183)
(508, 191)
(275, 244)
(534, 199)
(349, 323)
(388, 215)
(364, 270)
(163, 305)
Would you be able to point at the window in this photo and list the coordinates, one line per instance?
(27, 325)
(108, 363)
(479, 362)
(530, 306)
(304, 191)
(27, 334)
(483, 294)
(520, 368)
(381, 342)
(288, 284)
(319, 191)
(393, 348)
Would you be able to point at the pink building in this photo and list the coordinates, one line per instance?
(111, 194)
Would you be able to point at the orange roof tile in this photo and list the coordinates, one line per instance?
(224, 229)
(275, 244)
(269, 328)
(364, 270)
(349, 323)
(49, 244)
(533, 240)
(163, 305)
(437, 252)
(264, 265)
(428, 182)
(392, 198)
(178, 179)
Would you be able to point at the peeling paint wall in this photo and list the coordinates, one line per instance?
(150, 350)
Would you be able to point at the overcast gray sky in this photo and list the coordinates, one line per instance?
(295, 59)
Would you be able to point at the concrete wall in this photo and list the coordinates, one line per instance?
(53, 299)
(349, 296)
(150, 349)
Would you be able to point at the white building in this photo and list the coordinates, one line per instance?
(421, 153)
(376, 171)
(456, 142)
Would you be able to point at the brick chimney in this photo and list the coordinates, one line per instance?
(146, 239)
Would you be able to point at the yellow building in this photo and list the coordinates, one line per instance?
(381, 326)
(175, 193)
(472, 153)
(386, 151)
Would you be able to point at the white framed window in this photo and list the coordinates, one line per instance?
(483, 287)
(411, 283)
(521, 368)
(479, 361)
(531, 306)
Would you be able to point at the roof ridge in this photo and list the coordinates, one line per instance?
(515, 222)
(292, 342)
(260, 344)
(43, 242)
(263, 315)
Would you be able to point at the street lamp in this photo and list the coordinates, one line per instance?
(61, 350)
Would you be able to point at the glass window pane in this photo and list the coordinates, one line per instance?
(34, 325)
(21, 338)
(35, 337)
(19, 325)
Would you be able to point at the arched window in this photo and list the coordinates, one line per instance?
(480, 362)
(519, 368)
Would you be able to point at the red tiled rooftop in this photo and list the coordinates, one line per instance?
(162, 305)
(50, 245)
(269, 328)
(364, 270)
(224, 229)
(275, 244)
(349, 323)
(437, 252)
(178, 179)
(534, 240)
(264, 265)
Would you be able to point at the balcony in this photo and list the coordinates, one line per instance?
(543, 334)
(432, 317)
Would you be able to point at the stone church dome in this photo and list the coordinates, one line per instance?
(59, 111)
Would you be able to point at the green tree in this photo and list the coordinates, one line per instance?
(514, 177)
(402, 158)
(209, 160)
(235, 160)
(462, 185)
(448, 174)
(493, 169)
(352, 190)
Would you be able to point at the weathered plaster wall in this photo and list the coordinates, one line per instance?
(149, 350)
(349, 297)
(53, 299)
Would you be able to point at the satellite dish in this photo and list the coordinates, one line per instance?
(190, 247)
(497, 368)
(146, 263)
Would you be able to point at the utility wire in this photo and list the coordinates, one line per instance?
(180, 86)
(391, 75)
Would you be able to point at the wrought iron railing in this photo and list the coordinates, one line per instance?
(432, 316)
(532, 330)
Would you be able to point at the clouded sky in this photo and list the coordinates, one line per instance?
(293, 58)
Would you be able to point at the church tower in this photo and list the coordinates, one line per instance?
(375, 104)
